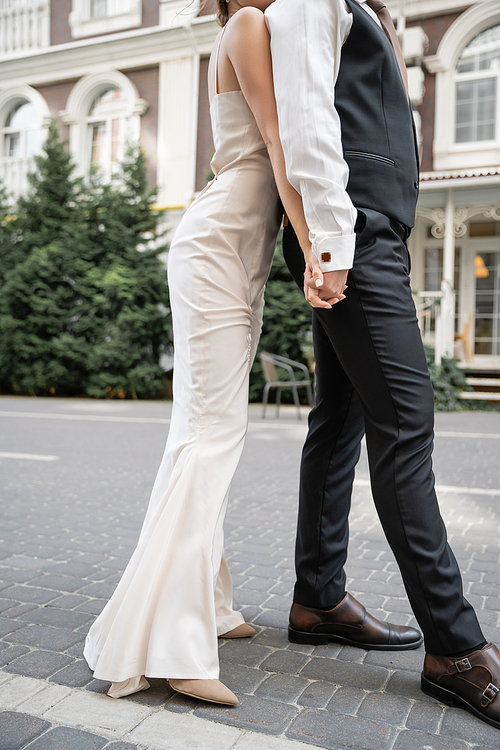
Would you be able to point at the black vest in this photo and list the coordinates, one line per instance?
(378, 133)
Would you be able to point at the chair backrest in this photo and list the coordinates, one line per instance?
(268, 367)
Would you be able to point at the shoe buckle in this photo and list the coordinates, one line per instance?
(463, 665)
(491, 692)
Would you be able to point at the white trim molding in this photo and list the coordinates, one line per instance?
(14, 170)
(82, 23)
(174, 13)
(80, 100)
(447, 153)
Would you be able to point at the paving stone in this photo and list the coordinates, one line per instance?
(260, 571)
(92, 606)
(243, 597)
(8, 626)
(62, 738)
(29, 594)
(241, 679)
(351, 653)
(18, 610)
(10, 653)
(17, 729)
(101, 590)
(336, 731)
(271, 637)
(47, 698)
(390, 709)
(411, 740)
(424, 716)
(247, 654)
(24, 561)
(256, 584)
(398, 605)
(463, 725)
(316, 695)
(345, 673)
(39, 636)
(282, 603)
(18, 689)
(406, 684)
(73, 568)
(98, 713)
(121, 746)
(283, 688)
(6, 604)
(411, 661)
(14, 575)
(273, 618)
(68, 601)
(155, 697)
(57, 618)
(38, 664)
(346, 700)
(258, 714)
(181, 704)
(183, 732)
(77, 674)
(286, 662)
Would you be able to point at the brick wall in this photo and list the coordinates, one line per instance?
(60, 32)
(435, 29)
(150, 13)
(147, 85)
(209, 7)
(205, 144)
(56, 96)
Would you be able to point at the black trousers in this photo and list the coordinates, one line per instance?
(372, 377)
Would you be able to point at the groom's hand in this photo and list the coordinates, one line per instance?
(323, 289)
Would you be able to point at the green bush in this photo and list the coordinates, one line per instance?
(84, 300)
(286, 327)
(448, 380)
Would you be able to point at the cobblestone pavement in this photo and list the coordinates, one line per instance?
(76, 476)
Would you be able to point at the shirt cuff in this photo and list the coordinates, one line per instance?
(335, 253)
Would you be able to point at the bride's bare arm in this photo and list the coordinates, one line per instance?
(248, 49)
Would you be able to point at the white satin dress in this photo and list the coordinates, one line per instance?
(175, 596)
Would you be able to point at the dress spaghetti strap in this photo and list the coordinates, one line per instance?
(216, 65)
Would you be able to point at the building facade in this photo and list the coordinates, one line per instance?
(114, 71)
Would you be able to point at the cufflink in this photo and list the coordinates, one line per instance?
(326, 257)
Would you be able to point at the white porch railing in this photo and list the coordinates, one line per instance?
(428, 305)
(24, 25)
(14, 172)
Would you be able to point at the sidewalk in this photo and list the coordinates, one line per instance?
(76, 476)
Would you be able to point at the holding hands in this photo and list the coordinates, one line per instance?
(323, 289)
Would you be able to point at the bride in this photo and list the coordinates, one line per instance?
(175, 597)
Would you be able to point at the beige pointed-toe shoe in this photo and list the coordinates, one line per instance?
(128, 687)
(242, 631)
(212, 691)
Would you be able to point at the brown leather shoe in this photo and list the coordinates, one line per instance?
(472, 682)
(350, 623)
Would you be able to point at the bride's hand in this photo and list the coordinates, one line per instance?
(323, 290)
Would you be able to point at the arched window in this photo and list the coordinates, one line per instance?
(22, 132)
(477, 76)
(106, 130)
(104, 113)
(24, 116)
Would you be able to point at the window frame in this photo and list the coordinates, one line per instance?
(83, 24)
(449, 154)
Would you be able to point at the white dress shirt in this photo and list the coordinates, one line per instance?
(306, 43)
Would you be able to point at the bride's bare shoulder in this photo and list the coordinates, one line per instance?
(248, 19)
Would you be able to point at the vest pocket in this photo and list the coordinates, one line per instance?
(374, 157)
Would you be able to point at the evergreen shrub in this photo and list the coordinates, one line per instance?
(84, 302)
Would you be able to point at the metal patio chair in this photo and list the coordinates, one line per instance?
(269, 364)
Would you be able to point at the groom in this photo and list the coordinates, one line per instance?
(349, 143)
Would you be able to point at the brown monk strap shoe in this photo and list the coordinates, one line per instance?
(472, 682)
(350, 623)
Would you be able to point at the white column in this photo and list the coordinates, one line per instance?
(447, 284)
(177, 130)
